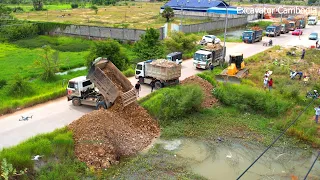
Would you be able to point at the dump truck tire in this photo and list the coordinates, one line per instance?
(158, 85)
(101, 105)
(76, 101)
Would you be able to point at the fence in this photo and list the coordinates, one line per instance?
(103, 32)
(209, 26)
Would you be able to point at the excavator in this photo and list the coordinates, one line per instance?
(235, 71)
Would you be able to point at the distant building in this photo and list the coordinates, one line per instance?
(195, 5)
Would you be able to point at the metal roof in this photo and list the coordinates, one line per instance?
(194, 4)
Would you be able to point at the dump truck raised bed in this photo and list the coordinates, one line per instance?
(209, 54)
(252, 35)
(161, 71)
(101, 87)
(273, 30)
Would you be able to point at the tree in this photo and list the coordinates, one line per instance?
(95, 8)
(49, 62)
(37, 5)
(179, 41)
(149, 45)
(168, 13)
(111, 50)
(277, 1)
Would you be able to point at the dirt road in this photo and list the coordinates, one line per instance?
(58, 113)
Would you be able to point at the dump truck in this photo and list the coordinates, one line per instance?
(292, 25)
(285, 26)
(235, 71)
(161, 71)
(297, 22)
(312, 20)
(252, 35)
(273, 30)
(101, 89)
(175, 57)
(207, 55)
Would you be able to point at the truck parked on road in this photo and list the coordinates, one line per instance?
(162, 71)
(297, 22)
(312, 20)
(100, 89)
(209, 54)
(292, 25)
(253, 35)
(273, 30)
(285, 27)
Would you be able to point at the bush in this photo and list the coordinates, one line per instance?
(74, 5)
(20, 87)
(179, 41)
(249, 99)
(2, 83)
(21, 31)
(129, 72)
(208, 78)
(175, 102)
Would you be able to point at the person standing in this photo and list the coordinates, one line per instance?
(270, 84)
(317, 109)
(265, 82)
(303, 53)
(211, 67)
(317, 43)
(138, 88)
(152, 84)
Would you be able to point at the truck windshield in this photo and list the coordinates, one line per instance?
(270, 29)
(311, 19)
(169, 58)
(247, 34)
(199, 57)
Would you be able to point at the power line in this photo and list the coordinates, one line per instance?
(312, 166)
(276, 139)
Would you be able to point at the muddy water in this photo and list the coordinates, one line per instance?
(219, 160)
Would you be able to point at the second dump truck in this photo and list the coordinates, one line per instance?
(252, 35)
(161, 71)
(273, 30)
(101, 87)
(209, 54)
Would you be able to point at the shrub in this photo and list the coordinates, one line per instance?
(13, 33)
(174, 102)
(74, 5)
(20, 87)
(129, 72)
(2, 83)
(249, 99)
(179, 41)
(207, 78)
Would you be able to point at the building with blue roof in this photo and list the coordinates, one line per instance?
(195, 5)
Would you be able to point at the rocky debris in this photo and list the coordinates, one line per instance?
(256, 28)
(209, 99)
(164, 63)
(213, 46)
(102, 137)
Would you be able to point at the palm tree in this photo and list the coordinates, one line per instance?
(168, 13)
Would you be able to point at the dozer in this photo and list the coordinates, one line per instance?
(235, 71)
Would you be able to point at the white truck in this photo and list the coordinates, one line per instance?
(312, 20)
(161, 71)
(210, 54)
(101, 89)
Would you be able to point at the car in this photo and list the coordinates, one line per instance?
(210, 39)
(313, 36)
(297, 32)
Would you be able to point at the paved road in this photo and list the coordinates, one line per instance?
(58, 113)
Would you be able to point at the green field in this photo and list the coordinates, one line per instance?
(133, 15)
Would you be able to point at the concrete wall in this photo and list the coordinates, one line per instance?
(214, 25)
(96, 32)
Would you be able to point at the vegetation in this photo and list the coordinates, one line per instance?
(94, 8)
(261, 24)
(168, 13)
(111, 50)
(49, 62)
(149, 46)
(171, 103)
(178, 41)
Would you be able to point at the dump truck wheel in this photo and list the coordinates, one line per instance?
(101, 105)
(76, 101)
(158, 85)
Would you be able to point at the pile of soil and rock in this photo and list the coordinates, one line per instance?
(209, 99)
(164, 63)
(102, 137)
(213, 46)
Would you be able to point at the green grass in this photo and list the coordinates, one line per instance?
(262, 24)
(29, 7)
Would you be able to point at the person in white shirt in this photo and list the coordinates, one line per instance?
(267, 74)
(317, 109)
(265, 82)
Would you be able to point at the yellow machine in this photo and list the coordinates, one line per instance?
(235, 71)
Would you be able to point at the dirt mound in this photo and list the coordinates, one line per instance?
(206, 87)
(164, 63)
(213, 46)
(102, 137)
(256, 28)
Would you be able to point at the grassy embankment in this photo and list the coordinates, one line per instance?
(135, 15)
(18, 58)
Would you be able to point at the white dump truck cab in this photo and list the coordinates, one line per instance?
(175, 57)
(140, 71)
(312, 20)
(202, 59)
